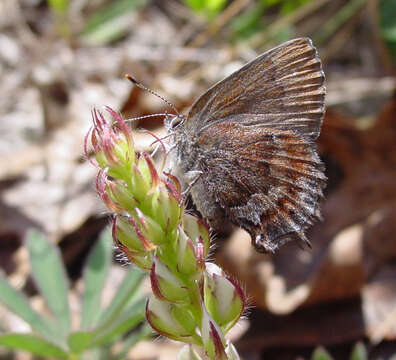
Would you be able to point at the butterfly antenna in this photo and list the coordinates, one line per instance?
(147, 116)
(138, 84)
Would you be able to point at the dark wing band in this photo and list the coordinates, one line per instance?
(267, 181)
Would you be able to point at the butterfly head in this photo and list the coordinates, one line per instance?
(173, 122)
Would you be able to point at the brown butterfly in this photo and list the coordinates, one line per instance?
(246, 150)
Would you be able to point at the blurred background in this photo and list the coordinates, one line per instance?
(59, 58)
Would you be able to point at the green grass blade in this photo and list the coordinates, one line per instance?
(32, 344)
(79, 341)
(336, 21)
(102, 353)
(208, 7)
(95, 274)
(126, 321)
(50, 276)
(17, 303)
(131, 340)
(128, 288)
(387, 22)
(111, 22)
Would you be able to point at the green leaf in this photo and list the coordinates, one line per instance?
(103, 353)
(387, 10)
(359, 352)
(95, 274)
(111, 22)
(128, 288)
(50, 276)
(289, 6)
(124, 323)
(32, 344)
(210, 8)
(250, 22)
(79, 341)
(321, 354)
(59, 6)
(19, 305)
(131, 340)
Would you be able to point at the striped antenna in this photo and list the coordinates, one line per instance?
(138, 84)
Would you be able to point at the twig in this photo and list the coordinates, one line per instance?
(379, 44)
(340, 18)
(299, 14)
(340, 38)
(233, 9)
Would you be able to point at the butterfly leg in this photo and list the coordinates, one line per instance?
(192, 177)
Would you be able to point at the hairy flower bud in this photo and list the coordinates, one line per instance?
(212, 337)
(198, 231)
(193, 301)
(224, 299)
(113, 145)
(231, 351)
(128, 233)
(160, 316)
(165, 285)
(187, 262)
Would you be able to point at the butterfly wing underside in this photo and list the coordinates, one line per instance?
(281, 89)
(255, 130)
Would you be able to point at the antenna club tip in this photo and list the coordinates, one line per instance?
(130, 78)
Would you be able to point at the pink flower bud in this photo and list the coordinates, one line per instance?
(113, 145)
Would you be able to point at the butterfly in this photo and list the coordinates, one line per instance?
(246, 149)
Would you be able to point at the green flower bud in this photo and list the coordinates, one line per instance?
(198, 231)
(186, 259)
(140, 184)
(160, 317)
(166, 208)
(101, 159)
(103, 188)
(150, 228)
(128, 233)
(212, 337)
(231, 352)
(165, 285)
(144, 181)
(185, 318)
(141, 260)
(224, 299)
(113, 146)
(121, 196)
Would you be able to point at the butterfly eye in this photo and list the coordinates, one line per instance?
(176, 121)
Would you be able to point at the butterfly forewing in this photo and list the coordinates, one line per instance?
(281, 89)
